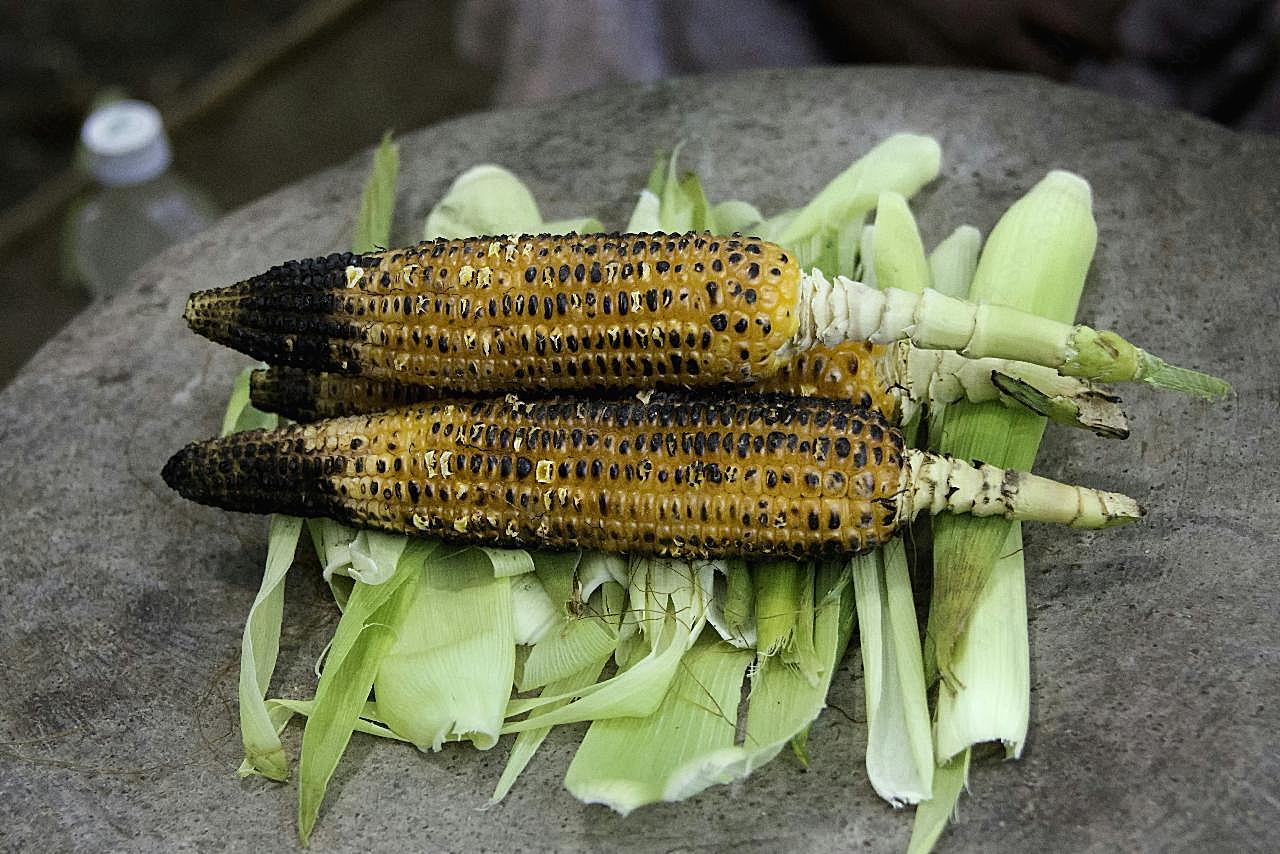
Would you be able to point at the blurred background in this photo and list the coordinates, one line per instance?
(257, 94)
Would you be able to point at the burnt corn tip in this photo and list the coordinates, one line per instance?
(178, 473)
(271, 314)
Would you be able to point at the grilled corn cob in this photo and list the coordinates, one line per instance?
(894, 379)
(705, 477)
(604, 311)
(845, 372)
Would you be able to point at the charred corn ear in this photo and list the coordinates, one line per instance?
(615, 311)
(846, 372)
(475, 315)
(894, 379)
(712, 477)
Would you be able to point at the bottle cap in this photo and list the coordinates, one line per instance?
(126, 143)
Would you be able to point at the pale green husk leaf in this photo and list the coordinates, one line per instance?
(1036, 258)
(488, 199)
(899, 743)
(367, 631)
(449, 674)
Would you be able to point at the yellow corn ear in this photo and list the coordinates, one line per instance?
(532, 313)
(847, 371)
(696, 477)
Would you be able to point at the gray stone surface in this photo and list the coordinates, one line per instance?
(1154, 709)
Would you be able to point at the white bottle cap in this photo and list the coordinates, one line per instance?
(126, 143)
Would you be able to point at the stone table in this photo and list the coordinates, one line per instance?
(1155, 648)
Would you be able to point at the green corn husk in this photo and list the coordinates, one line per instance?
(365, 634)
(378, 201)
(949, 779)
(449, 673)
(488, 199)
(903, 163)
(899, 259)
(952, 264)
(264, 754)
(978, 622)
(1042, 247)
(899, 757)
(685, 745)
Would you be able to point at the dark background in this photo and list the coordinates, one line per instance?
(258, 94)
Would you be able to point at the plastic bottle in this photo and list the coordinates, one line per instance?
(141, 206)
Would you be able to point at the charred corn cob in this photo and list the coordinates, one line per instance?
(713, 477)
(605, 311)
(893, 379)
(845, 372)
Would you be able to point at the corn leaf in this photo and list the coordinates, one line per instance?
(903, 163)
(378, 202)
(488, 199)
(260, 643)
(784, 699)
(366, 632)
(996, 677)
(578, 641)
(258, 650)
(899, 743)
(734, 216)
(634, 692)
(899, 756)
(687, 744)
(674, 753)
(661, 586)
(778, 586)
(240, 414)
(953, 262)
(535, 615)
(949, 779)
(282, 710)
(1036, 258)
(449, 674)
(899, 257)
(646, 216)
(732, 609)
